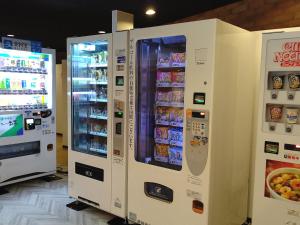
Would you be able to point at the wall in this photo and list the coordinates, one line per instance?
(255, 14)
(61, 101)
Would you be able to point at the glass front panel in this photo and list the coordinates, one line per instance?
(89, 97)
(25, 80)
(160, 107)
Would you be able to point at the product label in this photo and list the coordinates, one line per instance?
(289, 56)
(23, 45)
(131, 97)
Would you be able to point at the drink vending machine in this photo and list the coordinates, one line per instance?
(97, 106)
(191, 96)
(27, 115)
(277, 166)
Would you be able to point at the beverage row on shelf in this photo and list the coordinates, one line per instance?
(168, 154)
(94, 145)
(167, 135)
(169, 116)
(288, 81)
(23, 65)
(283, 114)
(99, 75)
(98, 147)
(26, 101)
(98, 95)
(171, 60)
(175, 95)
(24, 107)
(15, 84)
(170, 79)
(94, 113)
(99, 58)
(98, 129)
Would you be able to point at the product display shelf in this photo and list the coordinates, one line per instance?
(99, 134)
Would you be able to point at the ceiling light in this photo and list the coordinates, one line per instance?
(150, 12)
(101, 32)
(10, 35)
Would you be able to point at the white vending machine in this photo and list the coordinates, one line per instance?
(27, 115)
(97, 90)
(190, 116)
(277, 165)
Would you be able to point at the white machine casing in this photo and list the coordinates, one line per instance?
(21, 168)
(219, 64)
(108, 195)
(270, 208)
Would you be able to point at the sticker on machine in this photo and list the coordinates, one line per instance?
(282, 181)
(194, 180)
(11, 125)
(284, 53)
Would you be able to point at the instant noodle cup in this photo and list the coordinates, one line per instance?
(277, 82)
(294, 81)
(276, 112)
(292, 115)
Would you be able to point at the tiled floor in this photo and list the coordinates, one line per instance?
(40, 203)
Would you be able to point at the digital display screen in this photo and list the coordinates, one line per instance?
(292, 147)
(200, 115)
(119, 80)
(199, 98)
(29, 124)
(119, 114)
(272, 147)
(11, 125)
(29, 121)
(37, 121)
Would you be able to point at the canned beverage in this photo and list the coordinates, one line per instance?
(23, 84)
(7, 83)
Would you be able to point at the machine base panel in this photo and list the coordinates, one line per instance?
(50, 178)
(77, 206)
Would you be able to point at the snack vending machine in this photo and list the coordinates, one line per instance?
(27, 115)
(277, 165)
(97, 110)
(190, 109)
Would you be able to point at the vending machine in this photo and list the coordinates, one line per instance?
(27, 115)
(277, 166)
(190, 117)
(97, 91)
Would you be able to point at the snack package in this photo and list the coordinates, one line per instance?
(177, 95)
(162, 114)
(178, 59)
(292, 115)
(175, 155)
(294, 81)
(162, 133)
(176, 115)
(164, 77)
(277, 82)
(163, 96)
(178, 77)
(164, 61)
(276, 112)
(161, 153)
(176, 135)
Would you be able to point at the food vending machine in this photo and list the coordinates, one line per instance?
(27, 115)
(97, 111)
(277, 165)
(190, 109)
